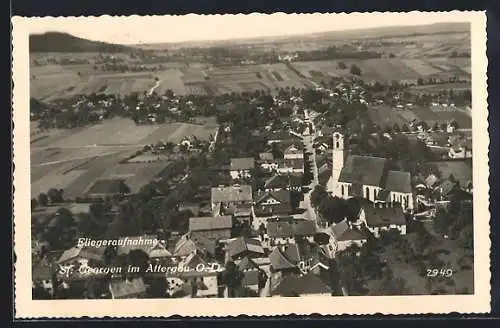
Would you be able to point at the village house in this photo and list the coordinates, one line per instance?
(346, 235)
(368, 177)
(241, 168)
(378, 219)
(294, 151)
(218, 227)
(192, 280)
(291, 182)
(244, 247)
(283, 232)
(89, 255)
(126, 289)
(189, 244)
(269, 203)
(289, 166)
(230, 196)
(300, 285)
(253, 276)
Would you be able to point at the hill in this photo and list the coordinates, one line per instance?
(64, 42)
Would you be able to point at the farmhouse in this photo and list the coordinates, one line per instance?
(283, 182)
(215, 228)
(190, 243)
(284, 233)
(89, 255)
(368, 177)
(244, 247)
(378, 219)
(252, 274)
(300, 285)
(121, 289)
(272, 203)
(293, 151)
(107, 188)
(346, 235)
(230, 196)
(241, 167)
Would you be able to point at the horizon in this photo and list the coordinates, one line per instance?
(222, 27)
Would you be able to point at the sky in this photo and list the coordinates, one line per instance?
(167, 29)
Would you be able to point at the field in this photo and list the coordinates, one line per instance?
(254, 77)
(385, 69)
(441, 87)
(385, 116)
(432, 116)
(73, 159)
(135, 175)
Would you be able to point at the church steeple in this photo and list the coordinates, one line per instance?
(337, 158)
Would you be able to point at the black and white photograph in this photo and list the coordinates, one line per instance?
(253, 156)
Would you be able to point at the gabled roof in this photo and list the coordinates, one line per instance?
(159, 251)
(294, 148)
(242, 163)
(266, 156)
(279, 229)
(301, 284)
(90, 253)
(247, 264)
(282, 196)
(279, 261)
(304, 228)
(210, 223)
(292, 253)
(340, 228)
(284, 229)
(385, 216)
(352, 234)
(279, 181)
(233, 193)
(187, 245)
(144, 243)
(242, 244)
(127, 288)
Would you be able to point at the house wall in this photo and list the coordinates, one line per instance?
(239, 174)
(298, 155)
(212, 234)
(377, 230)
(273, 242)
(284, 170)
(342, 245)
(405, 199)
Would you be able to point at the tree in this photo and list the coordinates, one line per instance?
(342, 65)
(232, 278)
(355, 70)
(43, 199)
(55, 195)
(34, 204)
(158, 288)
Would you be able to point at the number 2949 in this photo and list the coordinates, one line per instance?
(439, 272)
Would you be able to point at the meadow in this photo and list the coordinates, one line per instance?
(73, 159)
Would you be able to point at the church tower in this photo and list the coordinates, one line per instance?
(337, 159)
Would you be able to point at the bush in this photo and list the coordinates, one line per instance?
(355, 70)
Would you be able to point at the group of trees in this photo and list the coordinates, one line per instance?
(333, 209)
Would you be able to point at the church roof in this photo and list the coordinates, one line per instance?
(372, 171)
(366, 170)
(398, 181)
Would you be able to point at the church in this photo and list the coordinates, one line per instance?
(367, 177)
